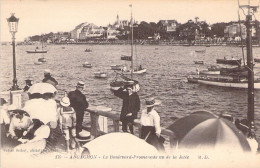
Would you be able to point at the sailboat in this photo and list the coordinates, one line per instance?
(133, 70)
(37, 50)
(116, 84)
(238, 79)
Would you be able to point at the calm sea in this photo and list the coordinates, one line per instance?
(166, 79)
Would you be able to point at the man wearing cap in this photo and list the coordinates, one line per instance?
(48, 78)
(131, 105)
(79, 103)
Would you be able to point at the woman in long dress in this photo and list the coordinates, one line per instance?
(151, 129)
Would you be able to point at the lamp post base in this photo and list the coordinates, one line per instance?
(16, 98)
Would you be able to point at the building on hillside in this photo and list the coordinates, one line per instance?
(168, 25)
(112, 33)
(120, 23)
(233, 31)
(61, 36)
(75, 33)
(91, 31)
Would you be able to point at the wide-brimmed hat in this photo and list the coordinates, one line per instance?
(2, 101)
(84, 135)
(80, 84)
(150, 102)
(65, 101)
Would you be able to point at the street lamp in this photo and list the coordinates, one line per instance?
(13, 25)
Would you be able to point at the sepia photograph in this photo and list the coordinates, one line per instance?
(127, 83)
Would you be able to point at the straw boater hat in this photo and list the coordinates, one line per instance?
(129, 83)
(150, 102)
(80, 84)
(47, 71)
(84, 136)
(65, 101)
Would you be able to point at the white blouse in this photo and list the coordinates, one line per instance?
(151, 119)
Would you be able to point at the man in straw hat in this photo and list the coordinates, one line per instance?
(131, 105)
(48, 78)
(150, 121)
(79, 103)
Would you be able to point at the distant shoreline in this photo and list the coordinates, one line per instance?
(155, 43)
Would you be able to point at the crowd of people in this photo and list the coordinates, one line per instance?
(36, 125)
(43, 120)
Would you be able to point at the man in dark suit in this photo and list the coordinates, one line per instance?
(79, 103)
(131, 105)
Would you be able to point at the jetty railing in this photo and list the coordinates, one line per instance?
(115, 117)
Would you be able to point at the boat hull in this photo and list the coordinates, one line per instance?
(257, 60)
(127, 58)
(138, 72)
(100, 75)
(87, 66)
(230, 62)
(117, 67)
(199, 62)
(210, 72)
(42, 60)
(228, 84)
(36, 51)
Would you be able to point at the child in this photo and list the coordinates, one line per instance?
(68, 122)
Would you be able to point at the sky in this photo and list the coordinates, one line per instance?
(44, 16)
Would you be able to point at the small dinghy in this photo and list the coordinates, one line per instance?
(87, 65)
(100, 75)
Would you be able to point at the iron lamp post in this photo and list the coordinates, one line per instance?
(13, 25)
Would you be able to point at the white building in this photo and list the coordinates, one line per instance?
(91, 31)
(75, 33)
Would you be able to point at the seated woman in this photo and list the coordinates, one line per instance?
(20, 122)
(151, 129)
(34, 140)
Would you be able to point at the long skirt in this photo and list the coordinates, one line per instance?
(152, 138)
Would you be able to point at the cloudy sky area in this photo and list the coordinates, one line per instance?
(44, 16)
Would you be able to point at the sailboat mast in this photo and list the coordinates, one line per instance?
(250, 65)
(132, 41)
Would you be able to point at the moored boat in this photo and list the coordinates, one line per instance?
(135, 71)
(229, 82)
(199, 62)
(42, 60)
(88, 50)
(87, 65)
(257, 59)
(214, 68)
(100, 74)
(229, 61)
(36, 51)
(125, 57)
(117, 67)
(205, 72)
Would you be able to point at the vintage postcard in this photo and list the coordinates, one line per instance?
(124, 83)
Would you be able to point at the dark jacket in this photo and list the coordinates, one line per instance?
(50, 79)
(131, 103)
(78, 101)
